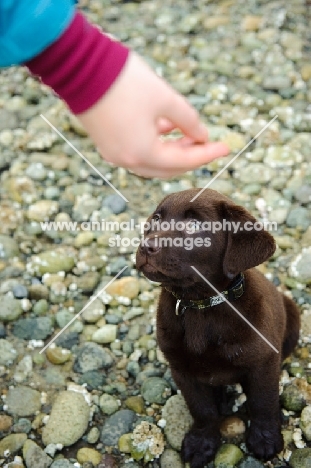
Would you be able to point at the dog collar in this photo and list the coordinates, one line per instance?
(233, 292)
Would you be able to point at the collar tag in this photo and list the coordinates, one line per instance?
(215, 300)
(177, 306)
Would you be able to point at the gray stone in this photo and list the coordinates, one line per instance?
(90, 357)
(36, 171)
(178, 420)
(93, 379)
(300, 267)
(255, 172)
(33, 328)
(301, 458)
(108, 404)
(303, 194)
(250, 462)
(62, 463)
(8, 353)
(275, 83)
(292, 399)
(116, 425)
(305, 422)
(10, 308)
(171, 459)
(20, 291)
(153, 390)
(13, 443)
(115, 203)
(34, 456)
(299, 217)
(68, 419)
(51, 261)
(23, 401)
(22, 425)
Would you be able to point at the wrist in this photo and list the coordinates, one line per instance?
(81, 65)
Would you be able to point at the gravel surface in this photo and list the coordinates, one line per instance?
(103, 395)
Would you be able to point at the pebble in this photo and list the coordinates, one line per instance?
(108, 404)
(33, 328)
(299, 217)
(300, 267)
(68, 419)
(13, 443)
(171, 459)
(5, 422)
(153, 390)
(57, 355)
(86, 454)
(8, 353)
(23, 369)
(228, 456)
(93, 436)
(115, 203)
(250, 462)
(62, 463)
(83, 239)
(125, 287)
(256, 172)
(136, 404)
(10, 309)
(34, 456)
(36, 171)
(93, 312)
(305, 422)
(93, 379)
(105, 334)
(232, 427)
(42, 210)
(178, 420)
(22, 425)
(116, 425)
(301, 458)
(91, 356)
(20, 291)
(51, 261)
(23, 401)
(292, 399)
(8, 247)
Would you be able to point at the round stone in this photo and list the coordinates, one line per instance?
(23, 401)
(68, 419)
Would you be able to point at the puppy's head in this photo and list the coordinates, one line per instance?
(219, 238)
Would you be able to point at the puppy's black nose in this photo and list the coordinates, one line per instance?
(151, 245)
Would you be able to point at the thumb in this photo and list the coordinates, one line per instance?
(186, 118)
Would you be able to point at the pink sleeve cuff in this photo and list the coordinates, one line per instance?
(81, 65)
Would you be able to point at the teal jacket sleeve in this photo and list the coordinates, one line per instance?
(27, 27)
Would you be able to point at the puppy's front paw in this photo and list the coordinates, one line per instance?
(265, 440)
(199, 447)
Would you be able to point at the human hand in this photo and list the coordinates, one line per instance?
(126, 124)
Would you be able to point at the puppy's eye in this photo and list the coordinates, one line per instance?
(193, 225)
(156, 217)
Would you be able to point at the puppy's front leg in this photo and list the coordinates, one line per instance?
(262, 388)
(202, 441)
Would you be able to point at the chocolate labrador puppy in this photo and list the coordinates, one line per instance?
(207, 343)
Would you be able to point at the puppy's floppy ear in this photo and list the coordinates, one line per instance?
(245, 248)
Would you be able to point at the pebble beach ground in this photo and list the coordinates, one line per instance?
(102, 394)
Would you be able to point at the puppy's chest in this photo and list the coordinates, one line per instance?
(201, 352)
